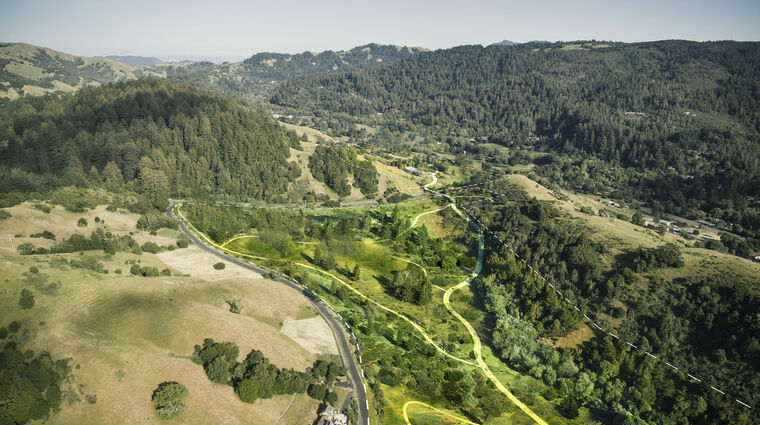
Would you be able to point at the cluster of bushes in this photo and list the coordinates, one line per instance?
(99, 239)
(646, 259)
(44, 234)
(147, 271)
(411, 285)
(30, 384)
(4, 215)
(256, 378)
(42, 207)
(153, 220)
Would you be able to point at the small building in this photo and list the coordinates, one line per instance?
(331, 416)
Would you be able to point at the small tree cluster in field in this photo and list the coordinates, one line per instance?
(153, 220)
(99, 239)
(256, 378)
(42, 207)
(147, 271)
(26, 301)
(44, 234)
(236, 306)
(31, 383)
(169, 399)
(219, 266)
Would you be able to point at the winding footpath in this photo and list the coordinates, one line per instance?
(360, 389)
(477, 345)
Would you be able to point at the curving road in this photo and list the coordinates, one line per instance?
(343, 345)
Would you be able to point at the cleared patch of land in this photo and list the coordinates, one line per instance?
(198, 263)
(312, 334)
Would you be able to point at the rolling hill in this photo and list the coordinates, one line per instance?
(31, 70)
(262, 72)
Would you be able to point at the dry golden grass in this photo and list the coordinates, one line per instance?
(128, 334)
(313, 334)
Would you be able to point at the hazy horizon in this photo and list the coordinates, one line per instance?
(234, 30)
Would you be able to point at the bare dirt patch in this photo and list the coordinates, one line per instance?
(195, 262)
(313, 334)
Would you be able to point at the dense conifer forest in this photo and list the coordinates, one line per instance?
(677, 121)
(159, 138)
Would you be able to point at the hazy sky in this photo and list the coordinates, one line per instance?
(235, 29)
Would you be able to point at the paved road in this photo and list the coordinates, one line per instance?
(343, 345)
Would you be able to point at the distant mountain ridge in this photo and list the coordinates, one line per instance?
(135, 60)
(261, 72)
(505, 43)
(31, 70)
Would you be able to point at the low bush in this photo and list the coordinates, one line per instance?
(44, 234)
(26, 301)
(219, 266)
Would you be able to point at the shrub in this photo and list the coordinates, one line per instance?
(317, 391)
(169, 399)
(117, 271)
(151, 247)
(44, 234)
(135, 269)
(247, 390)
(111, 208)
(219, 266)
(219, 370)
(97, 219)
(332, 398)
(26, 301)
(236, 306)
(82, 222)
(4, 215)
(26, 249)
(182, 243)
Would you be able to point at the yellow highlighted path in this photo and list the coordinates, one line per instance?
(409, 403)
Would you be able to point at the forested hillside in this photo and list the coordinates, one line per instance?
(678, 120)
(704, 323)
(263, 71)
(156, 137)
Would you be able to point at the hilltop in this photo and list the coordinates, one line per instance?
(135, 60)
(31, 70)
(262, 72)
